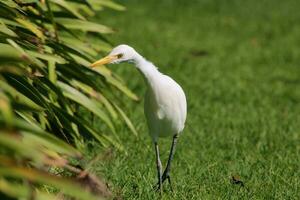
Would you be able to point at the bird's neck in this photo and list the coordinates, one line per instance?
(147, 69)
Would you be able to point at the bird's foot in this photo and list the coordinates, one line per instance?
(167, 177)
(157, 187)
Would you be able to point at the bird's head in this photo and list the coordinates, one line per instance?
(121, 53)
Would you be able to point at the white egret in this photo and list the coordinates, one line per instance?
(165, 103)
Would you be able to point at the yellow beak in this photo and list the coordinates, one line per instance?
(105, 60)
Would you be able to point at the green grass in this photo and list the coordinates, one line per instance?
(238, 62)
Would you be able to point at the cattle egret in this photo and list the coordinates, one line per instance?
(165, 103)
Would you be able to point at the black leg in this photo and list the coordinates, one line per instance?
(159, 168)
(166, 174)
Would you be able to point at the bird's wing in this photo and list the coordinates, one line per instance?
(171, 102)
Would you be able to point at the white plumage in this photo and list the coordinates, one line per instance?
(165, 103)
(165, 106)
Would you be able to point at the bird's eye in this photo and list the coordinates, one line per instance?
(120, 55)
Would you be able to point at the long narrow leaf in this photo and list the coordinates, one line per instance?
(32, 27)
(127, 120)
(83, 100)
(66, 186)
(16, 190)
(68, 7)
(83, 25)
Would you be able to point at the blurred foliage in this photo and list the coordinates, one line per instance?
(46, 48)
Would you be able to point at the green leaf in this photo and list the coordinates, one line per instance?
(24, 87)
(5, 109)
(10, 4)
(80, 60)
(127, 120)
(16, 144)
(22, 191)
(98, 96)
(79, 44)
(89, 104)
(10, 22)
(83, 7)
(69, 7)
(107, 3)
(4, 29)
(31, 27)
(24, 55)
(116, 83)
(58, 145)
(66, 186)
(47, 57)
(8, 54)
(84, 126)
(19, 97)
(83, 25)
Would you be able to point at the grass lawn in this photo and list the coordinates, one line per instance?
(238, 62)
